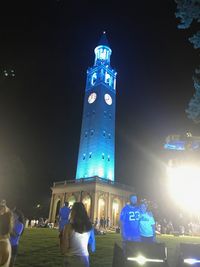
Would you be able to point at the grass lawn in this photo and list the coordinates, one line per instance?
(40, 248)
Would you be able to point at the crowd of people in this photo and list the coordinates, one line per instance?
(77, 233)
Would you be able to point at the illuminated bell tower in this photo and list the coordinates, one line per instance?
(97, 141)
(95, 184)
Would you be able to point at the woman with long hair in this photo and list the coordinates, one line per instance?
(77, 236)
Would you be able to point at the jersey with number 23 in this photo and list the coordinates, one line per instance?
(129, 217)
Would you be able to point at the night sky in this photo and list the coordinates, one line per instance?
(49, 45)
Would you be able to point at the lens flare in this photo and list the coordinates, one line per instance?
(184, 186)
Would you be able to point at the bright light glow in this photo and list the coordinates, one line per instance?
(101, 202)
(107, 77)
(71, 200)
(102, 54)
(184, 184)
(191, 261)
(142, 260)
(115, 206)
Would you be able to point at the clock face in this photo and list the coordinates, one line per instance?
(92, 97)
(108, 99)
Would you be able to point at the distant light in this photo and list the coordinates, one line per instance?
(142, 260)
(184, 183)
(191, 261)
(38, 206)
(189, 134)
(9, 73)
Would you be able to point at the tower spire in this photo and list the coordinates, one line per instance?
(103, 40)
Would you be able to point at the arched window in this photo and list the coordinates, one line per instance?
(115, 212)
(71, 200)
(101, 208)
(87, 203)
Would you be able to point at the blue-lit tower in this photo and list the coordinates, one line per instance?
(96, 155)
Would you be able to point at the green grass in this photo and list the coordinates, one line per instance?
(40, 248)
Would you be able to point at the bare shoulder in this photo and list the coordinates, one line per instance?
(4, 246)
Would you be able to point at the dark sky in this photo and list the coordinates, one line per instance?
(50, 44)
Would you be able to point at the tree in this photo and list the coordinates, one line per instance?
(188, 11)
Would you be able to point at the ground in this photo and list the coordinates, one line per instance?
(39, 247)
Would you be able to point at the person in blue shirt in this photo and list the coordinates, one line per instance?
(147, 224)
(129, 220)
(63, 217)
(16, 234)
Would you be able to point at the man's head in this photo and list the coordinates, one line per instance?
(144, 207)
(3, 207)
(133, 199)
(66, 204)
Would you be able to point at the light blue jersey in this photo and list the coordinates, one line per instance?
(147, 224)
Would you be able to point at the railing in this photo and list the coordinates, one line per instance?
(93, 179)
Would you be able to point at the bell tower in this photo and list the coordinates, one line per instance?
(96, 155)
(95, 184)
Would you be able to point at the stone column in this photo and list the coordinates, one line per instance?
(54, 206)
(109, 207)
(92, 207)
(96, 208)
(62, 200)
(51, 207)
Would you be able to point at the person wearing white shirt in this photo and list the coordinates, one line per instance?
(77, 236)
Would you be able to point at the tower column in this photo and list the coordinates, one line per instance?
(51, 207)
(93, 206)
(109, 206)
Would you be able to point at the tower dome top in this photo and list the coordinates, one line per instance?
(102, 51)
(103, 40)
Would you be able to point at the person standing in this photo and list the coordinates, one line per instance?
(19, 223)
(129, 220)
(63, 217)
(107, 222)
(147, 225)
(77, 236)
(5, 230)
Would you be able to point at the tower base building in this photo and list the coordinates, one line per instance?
(101, 197)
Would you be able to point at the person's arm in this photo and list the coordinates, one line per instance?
(65, 239)
(92, 242)
(121, 221)
(18, 229)
(4, 253)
